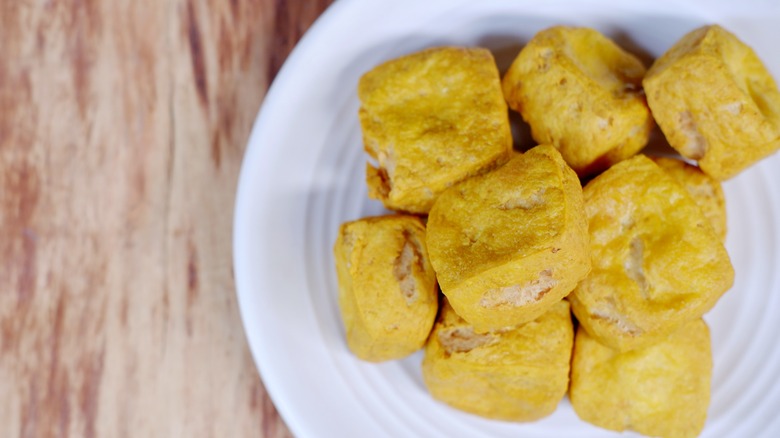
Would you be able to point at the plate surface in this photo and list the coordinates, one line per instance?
(303, 175)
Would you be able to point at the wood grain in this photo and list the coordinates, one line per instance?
(122, 128)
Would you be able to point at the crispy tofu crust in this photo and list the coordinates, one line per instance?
(431, 119)
(519, 374)
(705, 190)
(657, 262)
(728, 130)
(662, 390)
(509, 244)
(581, 93)
(387, 288)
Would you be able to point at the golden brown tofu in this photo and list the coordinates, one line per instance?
(517, 374)
(705, 190)
(657, 262)
(432, 119)
(662, 390)
(509, 244)
(387, 288)
(581, 93)
(715, 101)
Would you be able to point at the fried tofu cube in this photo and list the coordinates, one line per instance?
(657, 262)
(431, 119)
(662, 390)
(715, 102)
(387, 288)
(509, 244)
(519, 374)
(581, 93)
(705, 190)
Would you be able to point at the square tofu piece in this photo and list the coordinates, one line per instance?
(705, 190)
(715, 102)
(662, 390)
(657, 262)
(580, 92)
(509, 244)
(387, 288)
(432, 119)
(519, 374)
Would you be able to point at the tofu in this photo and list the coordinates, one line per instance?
(519, 374)
(706, 191)
(429, 120)
(582, 93)
(657, 262)
(509, 244)
(387, 288)
(715, 102)
(662, 390)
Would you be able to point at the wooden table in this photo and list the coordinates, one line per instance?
(122, 129)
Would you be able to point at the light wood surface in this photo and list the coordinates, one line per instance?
(122, 129)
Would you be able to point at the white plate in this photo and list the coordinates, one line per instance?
(303, 175)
